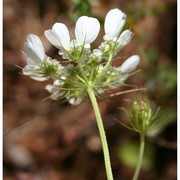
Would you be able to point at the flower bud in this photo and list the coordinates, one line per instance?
(141, 114)
(130, 64)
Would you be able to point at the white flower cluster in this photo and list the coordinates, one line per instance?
(114, 39)
(86, 67)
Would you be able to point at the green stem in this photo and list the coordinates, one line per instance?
(109, 62)
(140, 159)
(102, 133)
(82, 72)
(107, 65)
(101, 75)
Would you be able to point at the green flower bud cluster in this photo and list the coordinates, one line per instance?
(50, 68)
(141, 115)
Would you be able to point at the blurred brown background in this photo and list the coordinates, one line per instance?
(44, 140)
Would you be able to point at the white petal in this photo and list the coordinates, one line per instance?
(34, 49)
(86, 29)
(63, 34)
(53, 38)
(49, 88)
(33, 72)
(59, 36)
(39, 78)
(100, 91)
(75, 101)
(130, 64)
(125, 38)
(27, 70)
(57, 82)
(114, 22)
(122, 79)
(55, 96)
(32, 62)
(36, 44)
(97, 53)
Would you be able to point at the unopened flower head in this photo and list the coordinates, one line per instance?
(141, 114)
(86, 67)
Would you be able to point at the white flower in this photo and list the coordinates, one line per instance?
(86, 66)
(39, 66)
(57, 93)
(55, 89)
(114, 40)
(86, 31)
(34, 50)
(130, 64)
(114, 22)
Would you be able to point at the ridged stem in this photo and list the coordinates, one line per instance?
(140, 159)
(102, 133)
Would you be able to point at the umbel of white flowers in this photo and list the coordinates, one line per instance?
(85, 67)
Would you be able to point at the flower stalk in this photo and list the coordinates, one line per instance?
(102, 133)
(140, 158)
